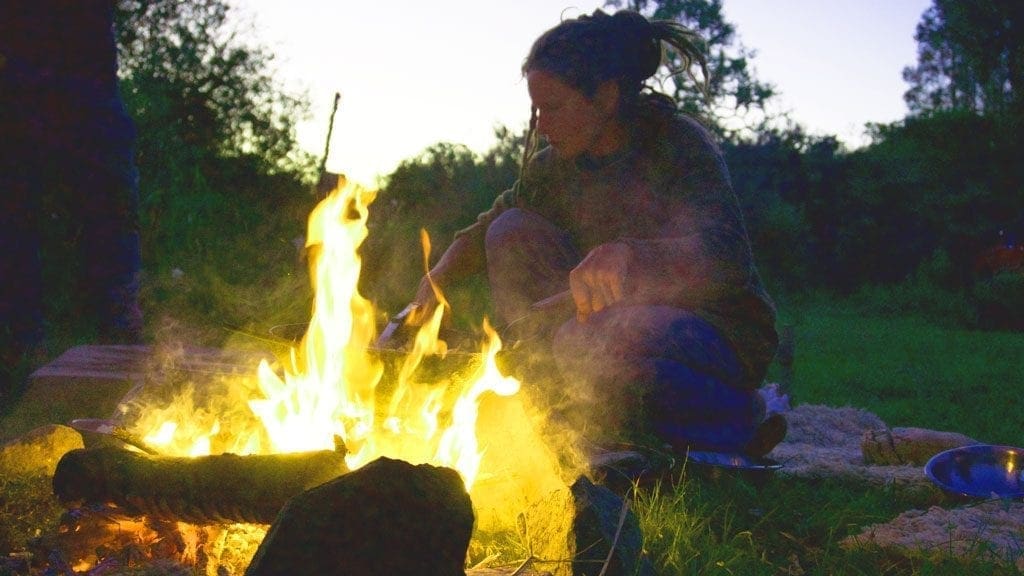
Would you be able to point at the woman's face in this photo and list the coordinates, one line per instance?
(572, 123)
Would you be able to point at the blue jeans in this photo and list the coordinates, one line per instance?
(629, 370)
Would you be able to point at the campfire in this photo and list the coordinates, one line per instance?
(331, 386)
(209, 481)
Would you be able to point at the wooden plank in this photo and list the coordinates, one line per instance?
(88, 381)
(131, 363)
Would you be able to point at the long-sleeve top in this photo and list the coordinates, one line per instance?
(669, 197)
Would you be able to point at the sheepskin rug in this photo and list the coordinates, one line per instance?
(824, 441)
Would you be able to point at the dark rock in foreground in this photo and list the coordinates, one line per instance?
(387, 518)
(605, 531)
(577, 530)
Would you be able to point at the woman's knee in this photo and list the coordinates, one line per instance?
(511, 225)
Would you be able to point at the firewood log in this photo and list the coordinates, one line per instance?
(224, 488)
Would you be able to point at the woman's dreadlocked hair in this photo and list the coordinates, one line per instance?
(624, 47)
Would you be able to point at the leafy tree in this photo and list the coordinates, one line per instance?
(217, 152)
(970, 57)
(183, 59)
(786, 182)
(947, 178)
(738, 103)
(879, 214)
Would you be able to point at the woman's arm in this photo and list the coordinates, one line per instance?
(464, 257)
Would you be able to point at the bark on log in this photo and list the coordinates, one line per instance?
(218, 489)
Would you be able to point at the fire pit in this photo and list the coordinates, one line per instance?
(225, 456)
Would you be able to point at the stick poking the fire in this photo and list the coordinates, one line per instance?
(219, 489)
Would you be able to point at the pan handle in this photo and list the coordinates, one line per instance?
(554, 302)
(392, 332)
(554, 306)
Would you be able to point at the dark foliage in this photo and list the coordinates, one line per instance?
(216, 145)
(823, 217)
(783, 182)
(970, 57)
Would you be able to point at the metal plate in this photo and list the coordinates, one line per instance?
(980, 471)
(732, 461)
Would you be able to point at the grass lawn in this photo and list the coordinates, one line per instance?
(909, 371)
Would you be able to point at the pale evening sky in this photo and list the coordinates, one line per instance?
(414, 73)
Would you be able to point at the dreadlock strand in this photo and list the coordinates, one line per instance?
(530, 144)
(690, 47)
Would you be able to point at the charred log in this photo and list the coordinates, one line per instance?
(224, 488)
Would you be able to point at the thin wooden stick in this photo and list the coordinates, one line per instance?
(519, 571)
(330, 130)
(615, 541)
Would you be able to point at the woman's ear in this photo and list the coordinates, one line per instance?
(607, 97)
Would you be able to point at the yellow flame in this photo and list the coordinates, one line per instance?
(329, 389)
(331, 386)
(163, 436)
(459, 448)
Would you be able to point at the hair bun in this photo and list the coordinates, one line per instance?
(637, 35)
(625, 47)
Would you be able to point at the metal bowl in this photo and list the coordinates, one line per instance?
(979, 471)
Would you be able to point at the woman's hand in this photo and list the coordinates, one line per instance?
(599, 280)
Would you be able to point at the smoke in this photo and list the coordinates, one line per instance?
(527, 456)
(202, 390)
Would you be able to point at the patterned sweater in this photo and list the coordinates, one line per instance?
(668, 196)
